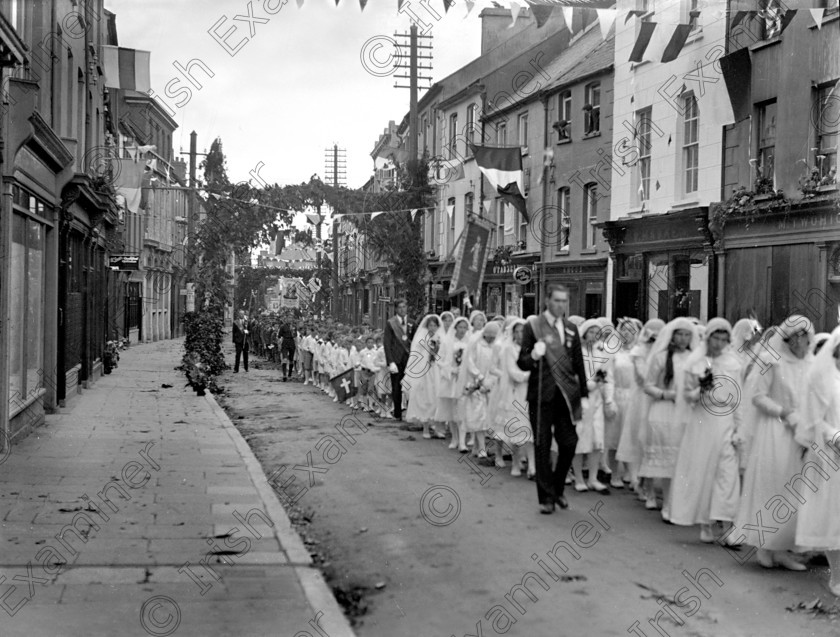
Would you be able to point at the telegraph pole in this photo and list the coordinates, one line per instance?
(335, 168)
(415, 74)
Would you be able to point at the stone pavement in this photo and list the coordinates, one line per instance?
(140, 510)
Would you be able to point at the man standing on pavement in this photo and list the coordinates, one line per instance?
(398, 335)
(241, 336)
(551, 351)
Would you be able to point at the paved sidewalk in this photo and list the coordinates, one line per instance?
(133, 487)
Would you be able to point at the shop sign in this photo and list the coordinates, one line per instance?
(522, 275)
(124, 261)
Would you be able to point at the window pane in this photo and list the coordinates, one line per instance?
(35, 307)
(17, 323)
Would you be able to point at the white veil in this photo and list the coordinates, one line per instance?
(422, 348)
(821, 422)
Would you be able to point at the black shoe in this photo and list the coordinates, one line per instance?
(562, 502)
(235, 371)
(547, 509)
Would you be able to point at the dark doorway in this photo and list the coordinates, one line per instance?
(627, 301)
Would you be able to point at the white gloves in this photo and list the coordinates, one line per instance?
(538, 351)
(610, 410)
(393, 368)
(584, 403)
(792, 419)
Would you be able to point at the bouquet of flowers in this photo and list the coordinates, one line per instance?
(707, 380)
(434, 347)
(476, 386)
(459, 356)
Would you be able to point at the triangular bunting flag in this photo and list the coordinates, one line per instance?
(568, 16)
(470, 5)
(541, 13)
(299, 3)
(374, 215)
(450, 210)
(487, 204)
(413, 214)
(657, 185)
(645, 34)
(786, 19)
(503, 169)
(606, 18)
(515, 8)
(336, 2)
(313, 218)
(447, 4)
(362, 4)
(817, 14)
(677, 42)
(630, 14)
(400, 4)
(736, 19)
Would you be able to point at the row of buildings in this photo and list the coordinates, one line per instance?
(94, 210)
(631, 167)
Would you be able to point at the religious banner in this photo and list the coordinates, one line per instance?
(288, 287)
(471, 260)
(343, 385)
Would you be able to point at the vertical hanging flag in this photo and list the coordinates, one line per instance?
(471, 260)
(606, 18)
(503, 169)
(658, 43)
(642, 41)
(676, 43)
(737, 70)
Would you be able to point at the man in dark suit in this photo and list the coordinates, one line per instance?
(241, 337)
(286, 334)
(398, 334)
(551, 351)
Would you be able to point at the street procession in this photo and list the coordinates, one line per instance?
(421, 319)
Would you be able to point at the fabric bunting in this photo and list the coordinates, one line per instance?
(450, 210)
(606, 18)
(503, 169)
(362, 4)
(374, 215)
(413, 214)
(126, 68)
(470, 5)
(568, 16)
(645, 34)
(676, 43)
(515, 8)
(447, 4)
(630, 14)
(817, 14)
(737, 69)
(541, 13)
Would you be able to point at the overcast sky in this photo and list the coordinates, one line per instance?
(294, 88)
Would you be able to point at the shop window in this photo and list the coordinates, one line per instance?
(26, 311)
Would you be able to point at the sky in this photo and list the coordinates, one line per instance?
(297, 84)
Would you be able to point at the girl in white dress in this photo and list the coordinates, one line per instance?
(479, 380)
(477, 322)
(621, 370)
(820, 340)
(630, 450)
(778, 385)
(590, 430)
(818, 522)
(423, 374)
(706, 485)
(510, 421)
(745, 335)
(451, 393)
(382, 382)
(667, 416)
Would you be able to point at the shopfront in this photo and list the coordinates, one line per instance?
(663, 266)
(586, 282)
(509, 290)
(784, 263)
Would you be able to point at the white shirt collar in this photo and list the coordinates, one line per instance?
(550, 318)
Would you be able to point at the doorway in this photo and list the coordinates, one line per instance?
(627, 301)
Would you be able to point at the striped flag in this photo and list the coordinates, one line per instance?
(126, 68)
(503, 169)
